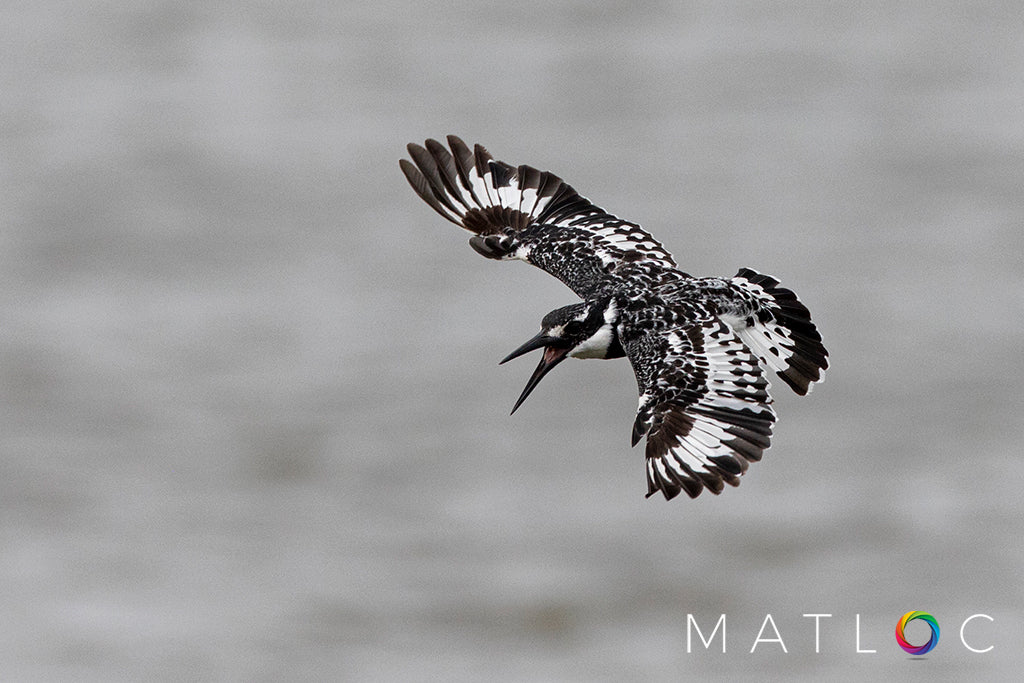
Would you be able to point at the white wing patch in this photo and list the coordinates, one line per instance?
(772, 344)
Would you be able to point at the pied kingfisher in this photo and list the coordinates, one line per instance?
(700, 347)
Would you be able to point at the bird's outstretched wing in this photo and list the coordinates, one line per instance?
(704, 407)
(522, 213)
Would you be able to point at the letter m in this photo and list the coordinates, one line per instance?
(691, 625)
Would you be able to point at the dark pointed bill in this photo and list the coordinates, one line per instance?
(536, 342)
(554, 353)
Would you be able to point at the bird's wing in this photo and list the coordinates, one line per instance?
(704, 406)
(522, 213)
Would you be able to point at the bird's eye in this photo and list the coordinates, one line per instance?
(572, 327)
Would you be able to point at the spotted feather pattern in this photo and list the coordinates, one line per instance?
(704, 407)
(773, 324)
(523, 213)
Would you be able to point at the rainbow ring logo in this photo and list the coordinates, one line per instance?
(914, 649)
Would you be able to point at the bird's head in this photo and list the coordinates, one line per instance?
(582, 330)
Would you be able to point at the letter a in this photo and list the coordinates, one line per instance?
(777, 639)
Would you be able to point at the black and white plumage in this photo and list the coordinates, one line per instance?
(701, 348)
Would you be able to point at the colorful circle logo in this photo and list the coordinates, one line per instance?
(914, 649)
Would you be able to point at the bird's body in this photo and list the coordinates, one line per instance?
(700, 347)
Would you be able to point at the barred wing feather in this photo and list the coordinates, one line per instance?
(704, 408)
(519, 212)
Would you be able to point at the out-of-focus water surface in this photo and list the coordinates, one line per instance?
(251, 420)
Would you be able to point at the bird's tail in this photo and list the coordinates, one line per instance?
(773, 324)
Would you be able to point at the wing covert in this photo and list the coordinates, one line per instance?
(704, 407)
(519, 212)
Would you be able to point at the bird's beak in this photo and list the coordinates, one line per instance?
(537, 342)
(554, 353)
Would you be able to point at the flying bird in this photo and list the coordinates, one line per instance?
(701, 348)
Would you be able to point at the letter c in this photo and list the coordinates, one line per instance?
(964, 625)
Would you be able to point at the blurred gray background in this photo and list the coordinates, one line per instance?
(252, 425)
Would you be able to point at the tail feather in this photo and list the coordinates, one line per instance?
(777, 327)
